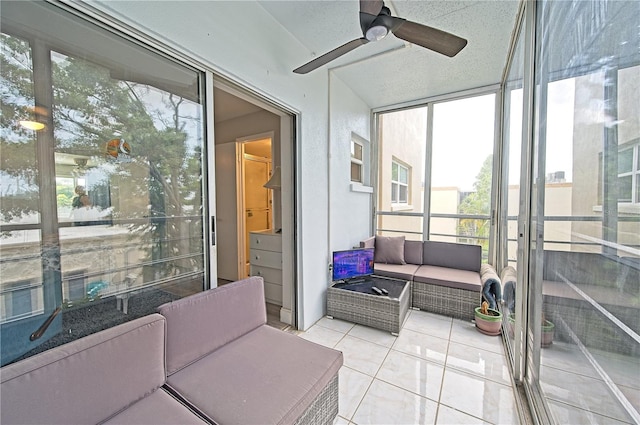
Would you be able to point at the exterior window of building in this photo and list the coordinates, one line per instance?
(399, 183)
(629, 174)
(356, 161)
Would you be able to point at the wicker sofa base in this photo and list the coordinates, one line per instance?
(453, 302)
(324, 408)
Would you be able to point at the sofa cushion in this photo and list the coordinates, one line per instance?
(452, 255)
(243, 383)
(203, 322)
(398, 271)
(453, 278)
(389, 250)
(413, 252)
(159, 408)
(87, 380)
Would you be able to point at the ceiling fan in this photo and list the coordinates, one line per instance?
(376, 23)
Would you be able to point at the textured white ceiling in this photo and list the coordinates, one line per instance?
(391, 71)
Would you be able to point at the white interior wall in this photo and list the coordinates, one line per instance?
(349, 210)
(244, 43)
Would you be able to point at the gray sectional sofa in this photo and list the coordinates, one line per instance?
(445, 276)
(207, 358)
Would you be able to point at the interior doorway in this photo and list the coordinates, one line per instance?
(241, 120)
(254, 200)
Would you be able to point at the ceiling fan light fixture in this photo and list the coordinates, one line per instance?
(376, 33)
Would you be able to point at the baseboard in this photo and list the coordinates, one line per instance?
(285, 316)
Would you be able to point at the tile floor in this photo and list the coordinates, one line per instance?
(438, 370)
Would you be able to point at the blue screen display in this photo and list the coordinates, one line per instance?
(352, 263)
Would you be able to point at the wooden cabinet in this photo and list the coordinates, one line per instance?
(265, 249)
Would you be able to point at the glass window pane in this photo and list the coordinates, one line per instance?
(356, 172)
(403, 194)
(402, 137)
(404, 175)
(461, 168)
(356, 150)
(123, 213)
(507, 249)
(625, 161)
(625, 188)
(584, 265)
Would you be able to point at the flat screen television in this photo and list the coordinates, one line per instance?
(352, 263)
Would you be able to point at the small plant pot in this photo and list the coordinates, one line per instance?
(488, 324)
(546, 335)
(511, 325)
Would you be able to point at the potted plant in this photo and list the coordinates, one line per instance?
(488, 320)
(546, 333)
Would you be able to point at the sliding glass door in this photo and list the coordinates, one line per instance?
(102, 179)
(574, 338)
(584, 296)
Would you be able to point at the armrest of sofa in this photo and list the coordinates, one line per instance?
(201, 323)
(368, 243)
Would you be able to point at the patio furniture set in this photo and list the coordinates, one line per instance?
(438, 277)
(207, 358)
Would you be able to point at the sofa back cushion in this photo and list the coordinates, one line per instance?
(413, 252)
(389, 250)
(88, 380)
(452, 255)
(200, 324)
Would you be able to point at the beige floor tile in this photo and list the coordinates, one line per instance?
(361, 355)
(478, 361)
(387, 404)
(373, 335)
(412, 374)
(476, 396)
(422, 345)
(322, 336)
(353, 386)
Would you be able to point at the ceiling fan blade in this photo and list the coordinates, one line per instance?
(372, 7)
(328, 57)
(430, 38)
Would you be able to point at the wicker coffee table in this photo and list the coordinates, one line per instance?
(357, 303)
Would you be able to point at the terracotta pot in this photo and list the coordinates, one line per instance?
(488, 324)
